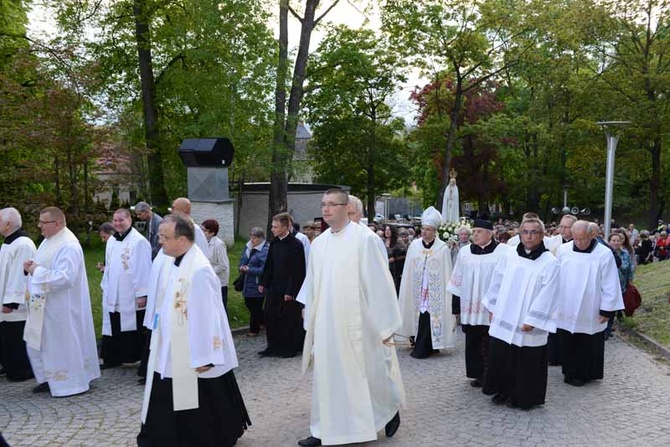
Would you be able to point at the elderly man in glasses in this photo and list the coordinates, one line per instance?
(522, 301)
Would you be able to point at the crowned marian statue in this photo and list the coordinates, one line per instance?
(450, 208)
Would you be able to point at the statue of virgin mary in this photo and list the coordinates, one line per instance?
(450, 206)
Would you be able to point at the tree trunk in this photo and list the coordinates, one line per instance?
(655, 183)
(451, 139)
(286, 121)
(151, 132)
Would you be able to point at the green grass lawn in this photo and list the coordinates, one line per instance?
(238, 315)
(652, 318)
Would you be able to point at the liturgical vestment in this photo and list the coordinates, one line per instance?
(351, 307)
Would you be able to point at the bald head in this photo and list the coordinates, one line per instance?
(182, 205)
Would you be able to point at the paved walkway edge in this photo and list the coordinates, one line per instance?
(656, 346)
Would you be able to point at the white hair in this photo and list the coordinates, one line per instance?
(12, 216)
(356, 204)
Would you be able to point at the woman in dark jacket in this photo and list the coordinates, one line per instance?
(252, 264)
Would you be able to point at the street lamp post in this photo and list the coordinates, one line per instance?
(610, 128)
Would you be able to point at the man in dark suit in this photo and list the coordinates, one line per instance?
(281, 281)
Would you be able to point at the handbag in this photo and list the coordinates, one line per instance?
(631, 300)
(238, 284)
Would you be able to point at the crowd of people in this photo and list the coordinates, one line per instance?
(340, 293)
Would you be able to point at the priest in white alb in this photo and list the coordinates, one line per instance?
(522, 301)
(17, 248)
(351, 313)
(469, 283)
(59, 331)
(590, 294)
(425, 302)
(191, 395)
(124, 292)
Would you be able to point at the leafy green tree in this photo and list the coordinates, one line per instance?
(357, 142)
(469, 42)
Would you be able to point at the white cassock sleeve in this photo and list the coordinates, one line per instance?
(140, 265)
(611, 299)
(378, 289)
(15, 289)
(491, 298)
(542, 311)
(205, 315)
(62, 274)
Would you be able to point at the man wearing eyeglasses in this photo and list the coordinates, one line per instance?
(351, 314)
(59, 332)
(522, 301)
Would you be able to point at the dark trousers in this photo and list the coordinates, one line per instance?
(583, 355)
(224, 297)
(518, 373)
(476, 350)
(555, 347)
(283, 323)
(14, 357)
(255, 306)
(423, 345)
(124, 347)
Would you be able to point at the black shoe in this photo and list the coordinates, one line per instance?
(554, 364)
(573, 381)
(142, 380)
(476, 384)
(499, 399)
(310, 442)
(41, 388)
(267, 353)
(392, 425)
(288, 355)
(2, 372)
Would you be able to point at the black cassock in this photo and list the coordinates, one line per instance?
(518, 373)
(284, 274)
(219, 421)
(583, 355)
(13, 355)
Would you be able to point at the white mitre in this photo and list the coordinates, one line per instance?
(431, 217)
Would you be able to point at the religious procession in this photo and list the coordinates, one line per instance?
(527, 297)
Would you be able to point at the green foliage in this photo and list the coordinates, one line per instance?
(356, 140)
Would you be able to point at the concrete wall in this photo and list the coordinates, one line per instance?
(223, 212)
(302, 205)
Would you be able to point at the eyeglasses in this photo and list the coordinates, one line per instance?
(44, 222)
(331, 205)
(530, 232)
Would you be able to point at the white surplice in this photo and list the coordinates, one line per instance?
(470, 281)
(523, 291)
(127, 268)
(67, 356)
(200, 238)
(194, 288)
(431, 268)
(588, 283)
(13, 283)
(351, 307)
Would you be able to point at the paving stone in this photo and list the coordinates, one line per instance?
(629, 407)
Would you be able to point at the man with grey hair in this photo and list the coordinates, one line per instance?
(153, 220)
(589, 295)
(16, 248)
